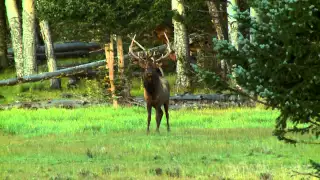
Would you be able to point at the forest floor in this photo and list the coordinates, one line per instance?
(107, 143)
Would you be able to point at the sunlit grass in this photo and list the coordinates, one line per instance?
(106, 119)
(108, 143)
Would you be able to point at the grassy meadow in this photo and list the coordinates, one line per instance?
(101, 142)
(107, 143)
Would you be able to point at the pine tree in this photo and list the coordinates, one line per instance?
(281, 64)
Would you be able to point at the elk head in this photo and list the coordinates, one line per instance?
(147, 61)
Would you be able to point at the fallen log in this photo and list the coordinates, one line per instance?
(66, 47)
(206, 98)
(63, 72)
(48, 75)
(61, 55)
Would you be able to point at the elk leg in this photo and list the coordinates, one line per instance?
(149, 108)
(159, 115)
(166, 109)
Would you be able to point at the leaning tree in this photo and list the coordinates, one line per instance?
(16, 34)
(29, 36)
(3, 36)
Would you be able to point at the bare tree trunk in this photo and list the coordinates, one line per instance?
(29, 37)
(124, 82)
(214, 11)
(232, 24)
(110, 66)
(216, 15)
(120, 56)
(55, 83)
(181, 44)
(16, 37)
(4, 63)
(254, 16)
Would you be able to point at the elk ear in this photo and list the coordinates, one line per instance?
(135, 62)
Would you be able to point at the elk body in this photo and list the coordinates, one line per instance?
(156, 87)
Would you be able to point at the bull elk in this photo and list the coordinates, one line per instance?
(156, 87)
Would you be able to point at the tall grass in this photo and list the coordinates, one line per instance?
(106, 119)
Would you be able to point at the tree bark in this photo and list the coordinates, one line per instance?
(55, 83)
(253, 15)
(110, 66)
(16, 37)
(111, 73)
(214, 11)
(4, 63)
(120, 56)
(124, 82)
(29, 37)
(181, 44)
(232, 24)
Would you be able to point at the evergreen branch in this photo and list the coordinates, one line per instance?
(247, 95)
(315, 123)
(306, 174)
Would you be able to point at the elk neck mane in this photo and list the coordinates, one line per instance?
(152, 85)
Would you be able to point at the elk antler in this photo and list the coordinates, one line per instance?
(131, 52)
(168, 50)
(133, 39)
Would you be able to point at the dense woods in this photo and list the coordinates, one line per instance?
(264, 50)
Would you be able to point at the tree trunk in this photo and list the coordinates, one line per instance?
(110, 66)
(120, 56)
(232, 24)
(52, 65)
(254, 16)
(125, 86)
(111, 73)
(29, 37)
(4, 63)
(216, 15)
(39, 39)
(214, 11)
(16, 37)
(181, 44)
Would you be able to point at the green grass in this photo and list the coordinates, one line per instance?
(106, 119)
(107, 143)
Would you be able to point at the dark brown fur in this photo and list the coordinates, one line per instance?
(156, 87)
(156, 93)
